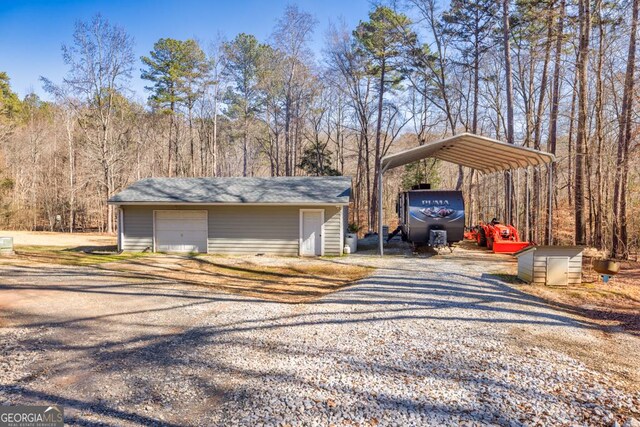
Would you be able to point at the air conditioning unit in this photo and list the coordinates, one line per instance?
(6, 245)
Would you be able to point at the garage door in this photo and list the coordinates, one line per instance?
(181, 231)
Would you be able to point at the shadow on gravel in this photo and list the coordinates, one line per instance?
(83, 407)
(125, 344)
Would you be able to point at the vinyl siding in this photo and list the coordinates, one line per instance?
(525, 267)
(254, 229)
(332, 234)
(537, 264)
(238, 229)
(574, 274)
(138, 228)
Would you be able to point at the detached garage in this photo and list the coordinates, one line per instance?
(281, 216)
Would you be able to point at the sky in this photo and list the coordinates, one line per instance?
(32, 32)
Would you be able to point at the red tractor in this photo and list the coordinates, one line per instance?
(471, 233)
(500, 238)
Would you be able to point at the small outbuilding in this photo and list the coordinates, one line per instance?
(550, 265)
(282, 216)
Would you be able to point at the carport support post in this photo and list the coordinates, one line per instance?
(380, 243)
(550, 205)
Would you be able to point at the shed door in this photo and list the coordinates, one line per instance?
(181, 231)
(557, 271)
(311, 232)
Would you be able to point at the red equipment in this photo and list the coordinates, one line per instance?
(500, 238)
(471, 233)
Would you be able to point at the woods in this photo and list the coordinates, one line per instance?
(554, 75)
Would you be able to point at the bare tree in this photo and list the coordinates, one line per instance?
(100, 63)
(584, 16)
(291, 36)
(620, 248)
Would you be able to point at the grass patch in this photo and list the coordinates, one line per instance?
(610, 305)
(615, 304)
(79, 256)
(506, 277)
(290, 280)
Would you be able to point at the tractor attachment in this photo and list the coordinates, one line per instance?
(500, 238)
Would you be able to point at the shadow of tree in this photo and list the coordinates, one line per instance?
(163, 338)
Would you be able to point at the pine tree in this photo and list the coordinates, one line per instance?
(384, 40)
(243, 56)
(178, 70)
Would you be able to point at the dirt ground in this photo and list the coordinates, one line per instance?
(615, 304)
(282, 279)
(118, 345)
(67, 240)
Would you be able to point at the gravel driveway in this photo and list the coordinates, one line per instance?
(428, 341)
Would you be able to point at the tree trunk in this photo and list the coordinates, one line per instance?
(619, 248)
(170, 154)
(598, 208)
(555, 102)
(215, 131)
(509, 87)
(376, 168)
(192, 168)
(584, 13)
(572, 126)
(538, 123)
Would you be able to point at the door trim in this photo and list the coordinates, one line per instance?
(120, 229)
(206, 211)
(300, 229)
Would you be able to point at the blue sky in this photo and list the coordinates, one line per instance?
(31, 32)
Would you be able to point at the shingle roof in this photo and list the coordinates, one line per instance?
(295, 190)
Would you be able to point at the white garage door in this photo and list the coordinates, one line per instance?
(181, 231)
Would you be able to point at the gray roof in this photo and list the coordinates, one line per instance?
(294, 190)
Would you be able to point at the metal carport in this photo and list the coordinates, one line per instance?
(477, 152)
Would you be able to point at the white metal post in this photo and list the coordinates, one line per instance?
(380, 243)
(550, 206)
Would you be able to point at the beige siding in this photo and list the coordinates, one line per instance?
(254, 229)
(138, 228)
(332, 231)
(525, 266)
(574, 274)
(238, 229)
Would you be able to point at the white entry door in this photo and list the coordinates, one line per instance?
(557, 269)
(181, 231)
(311, 232)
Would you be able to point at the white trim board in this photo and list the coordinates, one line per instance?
(293, 204)
(120, 229)
(322, 233)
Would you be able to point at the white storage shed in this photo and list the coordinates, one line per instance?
(550, 265)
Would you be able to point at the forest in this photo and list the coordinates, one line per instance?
(554, 75)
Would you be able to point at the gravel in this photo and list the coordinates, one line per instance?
(424, 341)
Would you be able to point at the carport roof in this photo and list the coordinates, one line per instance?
(473, 151)
(279, 190)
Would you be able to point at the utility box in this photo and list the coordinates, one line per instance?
(550, 265)
(6, 245)
(437, 238)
